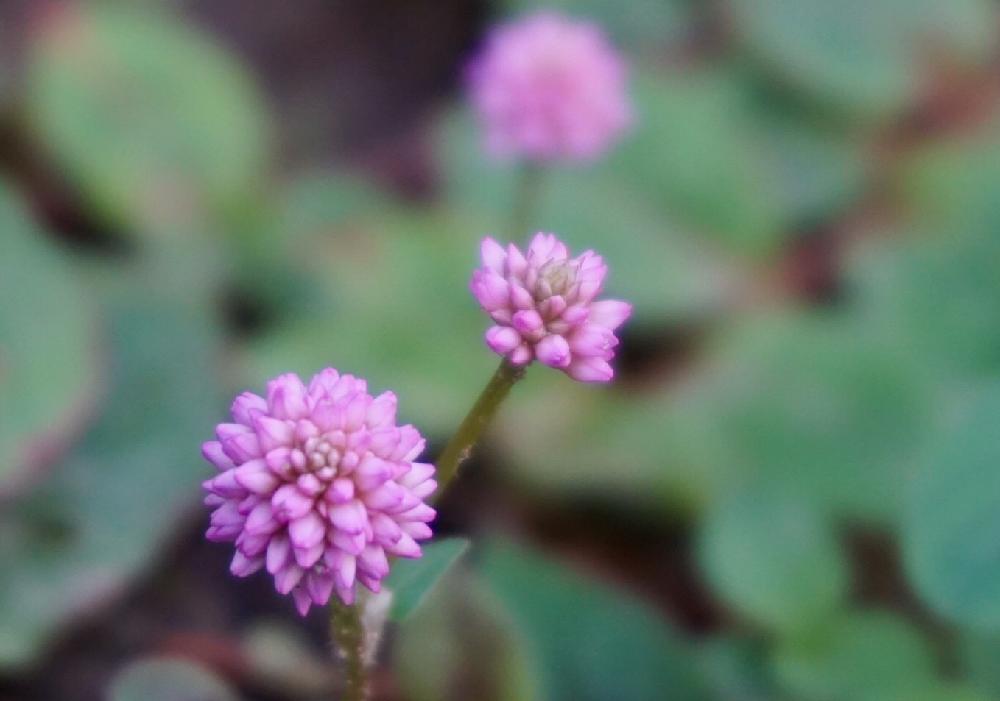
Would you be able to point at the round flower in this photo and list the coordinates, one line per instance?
(543, 305)
(318, 485)
(547, 87)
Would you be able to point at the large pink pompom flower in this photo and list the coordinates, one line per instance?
(548, 87)
(318, 485)
(543, 305)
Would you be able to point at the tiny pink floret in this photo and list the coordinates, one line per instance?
(543, 304)
(318, 485)
(547, 88)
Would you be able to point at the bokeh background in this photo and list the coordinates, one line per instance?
(790, 493)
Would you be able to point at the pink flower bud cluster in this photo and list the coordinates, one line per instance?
(319, 486)
(548, 88)
(544, 307)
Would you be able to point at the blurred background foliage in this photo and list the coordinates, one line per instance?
(792, 491)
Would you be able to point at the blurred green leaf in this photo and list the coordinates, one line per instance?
(936, 692)
(736, 670)
(640, 25)
(935, 295)
(456, 642)
(279, 654)
(150, 119)
(562, 436)
(774, 558)
(861, 55)
(817, 405)
(105, 508)
(979, 656)
(164, 679)
(48, 347)
(951, 528)
(706, 152)
(412, 580)
(859, 657)
(587, 640)
(319, 204)
(953, 182)
(693, 154)
(395, 309)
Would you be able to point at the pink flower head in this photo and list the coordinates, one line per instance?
(547, 87)
(543, 305)
(317, 484)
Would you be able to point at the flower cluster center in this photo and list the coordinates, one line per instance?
(559, 276)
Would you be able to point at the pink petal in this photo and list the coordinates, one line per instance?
(246, 406)
(302, 601)
(405, 547)
(286, 579)
(261, 520)
(609, 313)
(502, 339)
(590, 369)
(528, 321)
(273, 433)
(493, 255)
(278, 551)
(382, 411)
(320, 587)
(256, 476)
(243, 566)
(553, 350)
(350, 517)
(212, 451)
(306, 531)
(286, 397)
(289, 503)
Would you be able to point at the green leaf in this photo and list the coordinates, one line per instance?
(774, 558)
(48, 348)
(641, 25)
(861, 56)
(392, 306)
(951, 183)
(936, 283)
(936, 692)
(740, 176)
(457, 641)
(979, 656)
(814, 403)
(861, 656)
(737, 670)
(588, 641)
(164, 679)
(693, 154)
(561, 436)
(935, 294)
(411, 580)
(99, 517)
(150, 119)
(951, 529)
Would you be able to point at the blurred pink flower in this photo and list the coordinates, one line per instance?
(318, 485)
(543, 305)
(548, 87)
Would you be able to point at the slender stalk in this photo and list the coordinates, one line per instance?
(460, 446)
(348, 634)
(526, 194)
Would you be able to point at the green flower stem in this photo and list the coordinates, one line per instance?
(348, 634)
(460, 446)
(526, 193)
